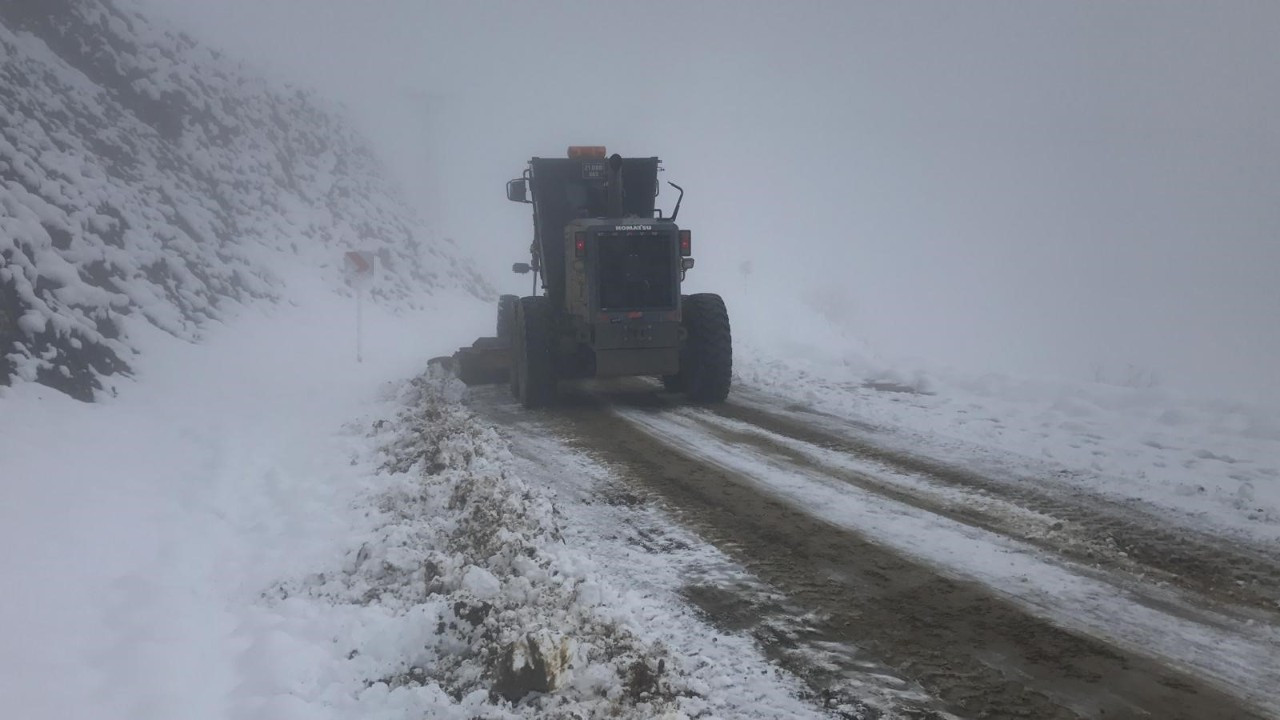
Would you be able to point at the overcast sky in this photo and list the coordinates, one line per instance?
(1027, 186)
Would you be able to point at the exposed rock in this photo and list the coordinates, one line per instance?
(538, 662)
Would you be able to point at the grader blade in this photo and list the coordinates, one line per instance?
(486, 362)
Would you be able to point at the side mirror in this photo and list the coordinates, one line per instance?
(521, 268)
(686, 264)
(518, 190)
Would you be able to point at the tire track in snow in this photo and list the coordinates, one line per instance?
(639, 546)
(979, 650)
(1081, 525)
(1236, 656)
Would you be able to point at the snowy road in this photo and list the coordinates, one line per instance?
(914, 584)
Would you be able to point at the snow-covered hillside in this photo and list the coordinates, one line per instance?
(146, 179)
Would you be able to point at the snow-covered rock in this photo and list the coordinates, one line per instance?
(145, 178)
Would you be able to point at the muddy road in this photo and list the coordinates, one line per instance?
(993, 596)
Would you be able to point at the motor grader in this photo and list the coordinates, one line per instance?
(610, 267)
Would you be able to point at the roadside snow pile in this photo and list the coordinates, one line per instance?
(144, 178)
(480, 606)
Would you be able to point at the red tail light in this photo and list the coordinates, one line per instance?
(686, 243)
(580, 244)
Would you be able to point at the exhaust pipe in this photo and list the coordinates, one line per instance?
(615, 186)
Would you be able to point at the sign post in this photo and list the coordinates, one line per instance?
(359, 269)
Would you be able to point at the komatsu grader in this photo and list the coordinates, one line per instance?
(610, 267)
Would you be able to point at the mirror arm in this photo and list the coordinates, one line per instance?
(680, 199)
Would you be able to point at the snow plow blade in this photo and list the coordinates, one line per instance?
(486, 362)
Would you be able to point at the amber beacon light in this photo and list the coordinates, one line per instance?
(580, 152)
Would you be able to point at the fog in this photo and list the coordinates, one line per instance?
(1045, 188)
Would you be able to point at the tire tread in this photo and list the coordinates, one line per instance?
(709, 356)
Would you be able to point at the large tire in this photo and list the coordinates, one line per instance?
(535, 363)
(706, 361)
(507, 318)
